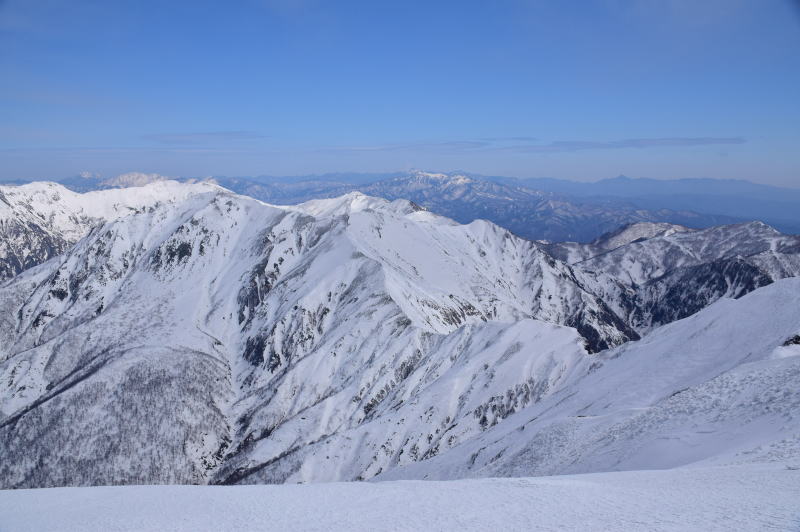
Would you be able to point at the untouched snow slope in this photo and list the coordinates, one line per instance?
(636, 232)
(574, 252)
(745, 499)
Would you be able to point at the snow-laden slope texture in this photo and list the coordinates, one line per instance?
(635, 233)
(41, 220)
(221, 339)
(574, 252)
(719, 387)
(713, 499)
(677, 272)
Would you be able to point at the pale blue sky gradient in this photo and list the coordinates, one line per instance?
(581, 90)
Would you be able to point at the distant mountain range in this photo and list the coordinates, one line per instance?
(740, 199)
(537, 209)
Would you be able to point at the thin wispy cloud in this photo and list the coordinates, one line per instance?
(203, 137)
(228, 143)
(489, 144)
(454, 145)
(81, 151)
(562, 146)
(509, 139)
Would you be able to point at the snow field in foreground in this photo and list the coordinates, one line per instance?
(741, 498)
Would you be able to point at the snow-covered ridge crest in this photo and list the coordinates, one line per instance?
(353, 202)
(133, 179)
(66, 211)
(41, 220)
(671, 272)
(637, 232)
(453, 178)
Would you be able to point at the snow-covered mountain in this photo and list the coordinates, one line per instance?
(209, 337)
(255, 331)
(574, 252)
(525, 211)
(41, 220)
(674, 272)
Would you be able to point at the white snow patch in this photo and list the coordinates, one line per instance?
(754, 497)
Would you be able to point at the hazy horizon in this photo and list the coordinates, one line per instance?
(345, 173)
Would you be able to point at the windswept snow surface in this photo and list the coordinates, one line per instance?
(744, 499)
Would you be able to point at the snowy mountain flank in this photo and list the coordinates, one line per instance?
(674, 271)
(181, 333)
(41, 220)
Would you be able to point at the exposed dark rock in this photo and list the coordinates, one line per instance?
(794, 340)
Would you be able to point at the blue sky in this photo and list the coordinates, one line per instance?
(581, 90)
